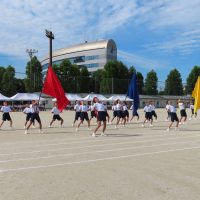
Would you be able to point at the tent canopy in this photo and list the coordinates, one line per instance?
(90, 97)
(26, 97)
(71, 97)
(120, 97)
(4, 98)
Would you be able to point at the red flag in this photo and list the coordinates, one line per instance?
(53, 87)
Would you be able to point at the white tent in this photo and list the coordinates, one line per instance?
(90, 97)
(3, 98)
(71, 97)
(26, 97)
(120, 97)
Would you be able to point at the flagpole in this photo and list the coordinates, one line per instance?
(51, 37)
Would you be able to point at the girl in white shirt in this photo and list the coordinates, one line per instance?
(27, 110)
(56, 115)
(114, 109)
(173, 116)
(148, 114)
(84, 115)
(77, 112)
(192, 111)
(120, 114)
(6, 116)
(101, 117)
(182, 111)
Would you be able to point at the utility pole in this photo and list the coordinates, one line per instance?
(31, 52)
(50, 35)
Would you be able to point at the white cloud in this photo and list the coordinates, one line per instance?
(23, 23)
(140, 61)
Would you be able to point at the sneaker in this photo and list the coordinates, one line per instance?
(76, 129)
(123, 125)
(73, 125)
(115, 126)
(167, 129)
(180, 123)
(24, 127)
(142, 125)
(93, 135)
(89, 128)
(103, 134)
(151, 124)
(49, 126)
(34, 126)
(26, 132)
(40, 131)
(155, 120)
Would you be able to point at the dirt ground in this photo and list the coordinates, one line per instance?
(131, 162)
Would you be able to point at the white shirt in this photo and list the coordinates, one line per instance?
(172, 109)
(114, 108)
(34, 109)
(27, 110)
(152, 107)
(99, 107)
(118, 107)
(77, 108)
(192, 106)
(167, 107)
(5, 109)
(125, 108)
(91, 108)
(147, 109)
(181, 106)
(55, 111)
(84, 108)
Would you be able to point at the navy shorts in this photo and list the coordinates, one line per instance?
(126, 113)
(102, 116)
(148, 115)
(77, 115)
(35, 116)
(28, 116)
(57, 117)
(174, 117)
(84, 116)
(6, 116)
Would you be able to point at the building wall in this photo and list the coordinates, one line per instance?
(94, 57)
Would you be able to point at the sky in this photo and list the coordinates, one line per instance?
(150, 34)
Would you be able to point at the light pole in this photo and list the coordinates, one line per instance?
(50, 35)
(31, 52)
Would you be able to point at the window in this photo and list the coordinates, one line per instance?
(92, 65)
(94, 57)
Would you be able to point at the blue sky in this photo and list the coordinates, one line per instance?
(150, 34)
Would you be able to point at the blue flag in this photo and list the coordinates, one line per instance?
(133, 92)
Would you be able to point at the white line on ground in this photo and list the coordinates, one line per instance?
(93, 152)
(95, 160)
(95, 145)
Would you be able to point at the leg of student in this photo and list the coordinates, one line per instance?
(98, 125)
(2, 123)
(62, 121)
(104, 126)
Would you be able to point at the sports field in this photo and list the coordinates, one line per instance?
(130, 163)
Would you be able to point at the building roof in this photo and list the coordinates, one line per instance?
(99, 44)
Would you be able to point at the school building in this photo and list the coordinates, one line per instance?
(93, 55)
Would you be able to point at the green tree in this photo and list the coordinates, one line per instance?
(140, 83)
(173, 83)
(192, 78)
(95, 81)
(20, 85)
(2, 71)
(33, 81)
(114, 78)
(150, 85)
(8, 81)
(83, 80)
(131, 70)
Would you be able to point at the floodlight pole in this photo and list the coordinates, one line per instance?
(50, 35)
(31, 52)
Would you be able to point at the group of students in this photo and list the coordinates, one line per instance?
(99, 111)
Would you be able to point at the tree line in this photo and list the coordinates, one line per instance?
(114, 78)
